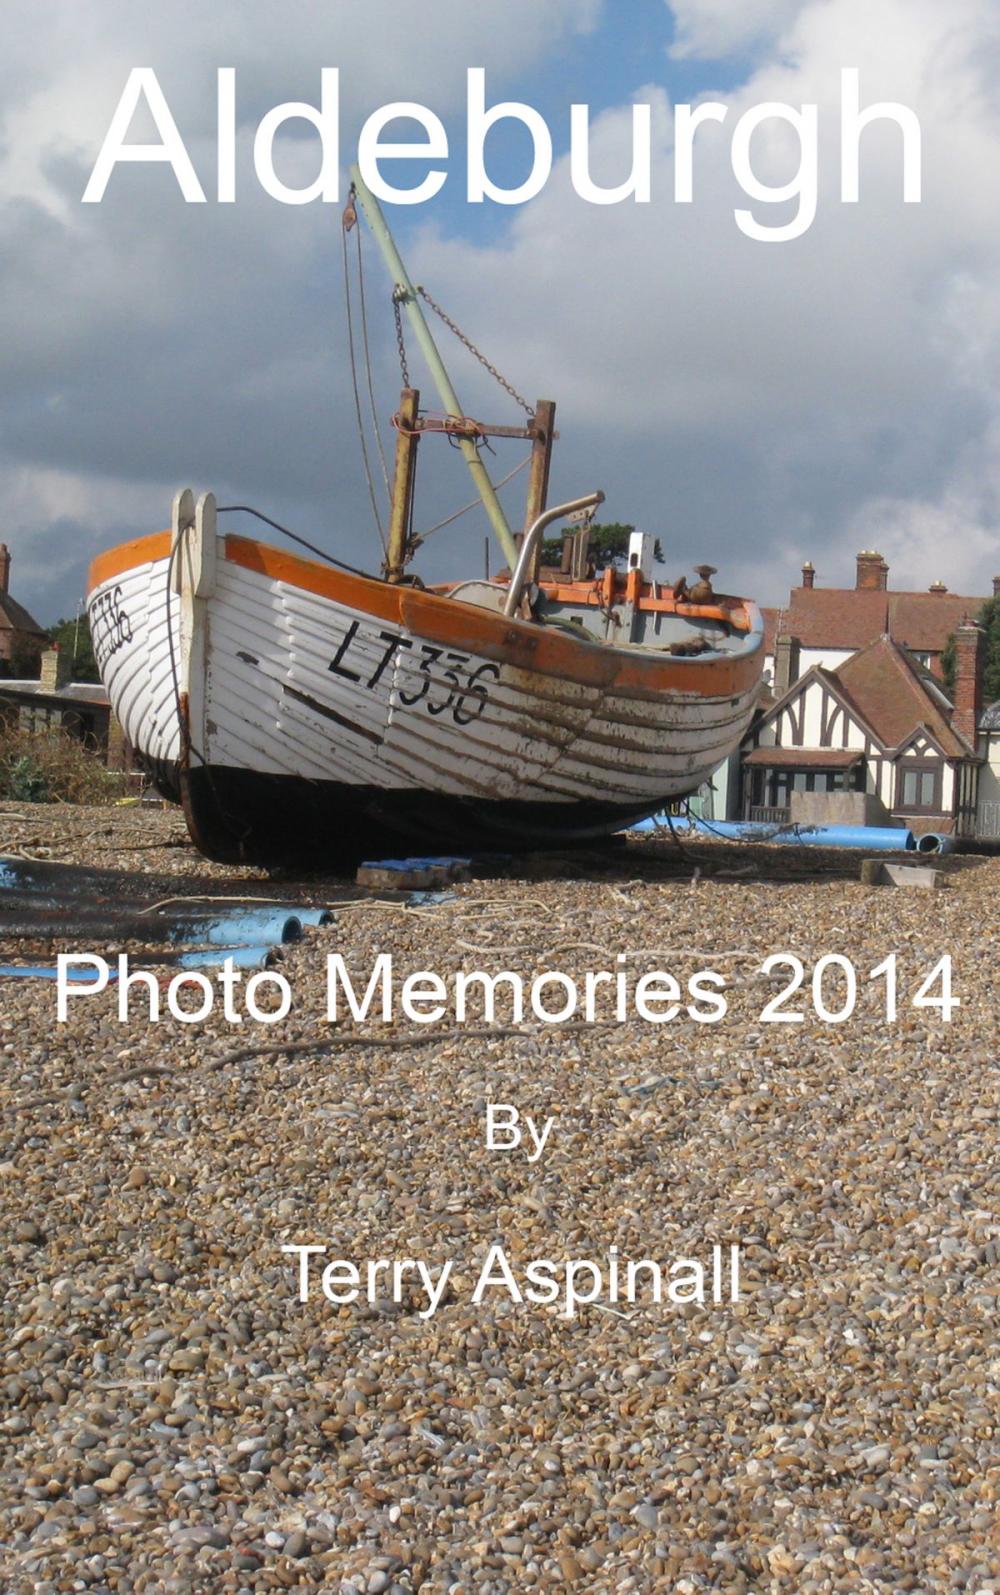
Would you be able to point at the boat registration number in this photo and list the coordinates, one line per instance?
(110, 627)
(446, 682)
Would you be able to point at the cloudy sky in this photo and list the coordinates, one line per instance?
(754, 404)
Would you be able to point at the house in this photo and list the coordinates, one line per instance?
(825, 625)
(55, 703)
(988, 808)
(873, 740)
(22, 639)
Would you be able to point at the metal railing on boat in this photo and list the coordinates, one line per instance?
(525, 559)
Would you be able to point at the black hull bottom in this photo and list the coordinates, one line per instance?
(239, 816)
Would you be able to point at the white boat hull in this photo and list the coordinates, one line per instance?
(286, 703)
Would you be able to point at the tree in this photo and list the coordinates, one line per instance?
(607, 544)
(989, 619)
(23, 664)
(73, 638)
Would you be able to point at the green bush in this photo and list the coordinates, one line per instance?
(54, 767)
(24, 781)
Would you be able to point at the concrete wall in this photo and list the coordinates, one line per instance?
(839, 808)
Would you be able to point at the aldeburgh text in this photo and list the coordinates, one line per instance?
(765, 124)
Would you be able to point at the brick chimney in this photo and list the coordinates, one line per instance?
(996, 586)
(57, 667)
(808, 574)
(873, 572)
(786, 664)
(4, 570)
(970, 640)
(937, 587)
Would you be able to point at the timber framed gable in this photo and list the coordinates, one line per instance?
(816, 702)
(920, 744)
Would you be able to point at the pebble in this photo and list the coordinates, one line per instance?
(175, 1420)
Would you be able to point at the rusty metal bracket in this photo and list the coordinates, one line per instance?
(467, 426)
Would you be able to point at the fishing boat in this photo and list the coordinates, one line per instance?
(299, 707)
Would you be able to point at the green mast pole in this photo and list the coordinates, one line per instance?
(407, 297)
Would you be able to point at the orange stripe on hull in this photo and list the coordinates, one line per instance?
(521, 644)
(515, 642)
(116, 561)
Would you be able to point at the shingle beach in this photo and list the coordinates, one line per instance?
(175, 1419)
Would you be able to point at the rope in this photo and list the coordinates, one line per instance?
(248, 509)
(791, 828)
(474, 503)
(171, 649)
(357, 397)
(676, 839)
(368, 373)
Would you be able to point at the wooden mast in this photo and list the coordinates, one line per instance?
(406, 296)
(538, 479)
(407, 438)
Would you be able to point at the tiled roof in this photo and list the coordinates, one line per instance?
(990, 720)
(14, 617)
(805, 758)
(896, 695)
(923, 622)
(848, 617)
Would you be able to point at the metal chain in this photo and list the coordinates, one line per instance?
(529, 409)
(401, 346)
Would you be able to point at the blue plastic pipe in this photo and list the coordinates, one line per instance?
(215, 957)
(934, 842)
(876, 839)
(873, 838)
(241, 929)
(201, 958)
(46, 972)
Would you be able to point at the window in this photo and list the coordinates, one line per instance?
(775, 787)
(918, 787)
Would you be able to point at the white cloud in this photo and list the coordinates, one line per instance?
(64, 69)
(714, 29)
(836, 384)
(755, 404)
